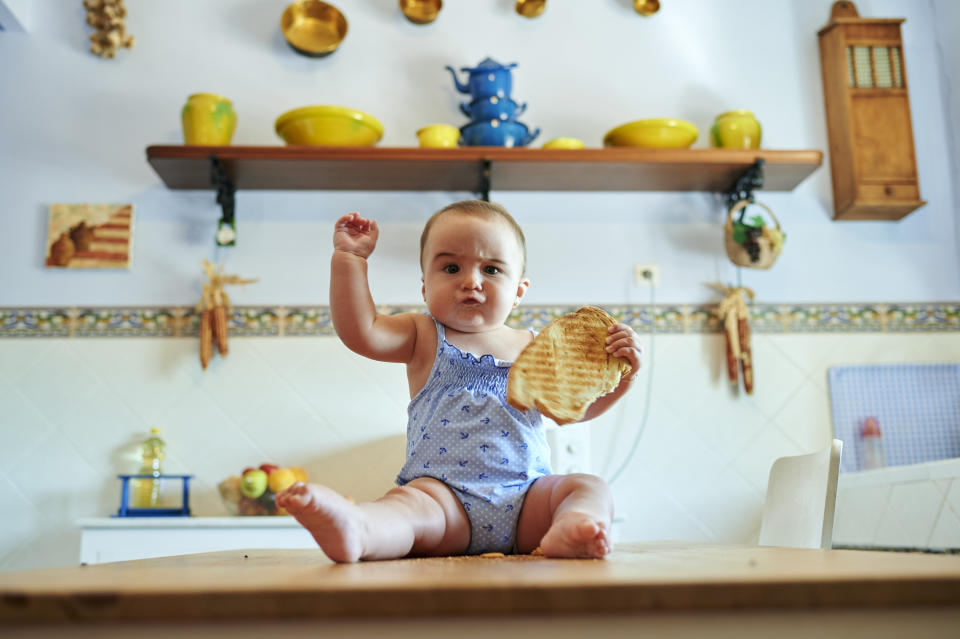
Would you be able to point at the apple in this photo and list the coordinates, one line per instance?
(268, 468)
(253, 483)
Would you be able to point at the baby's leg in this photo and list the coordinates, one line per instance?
(422, 518)
(567, 516)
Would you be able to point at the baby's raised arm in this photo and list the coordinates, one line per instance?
(388, 338)
(622, 341)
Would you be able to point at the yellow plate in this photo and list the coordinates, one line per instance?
(656, 133)
(313, 28)
(328, 126)
(564, 143)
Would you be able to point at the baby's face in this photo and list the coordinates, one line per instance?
(471, 272)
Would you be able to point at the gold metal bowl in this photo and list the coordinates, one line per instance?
(313, 28)
(655, 133)
(328, 126)
(421, 11)
(530, 8)
(646, 8)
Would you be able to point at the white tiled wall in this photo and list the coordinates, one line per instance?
(72, 411)
(904, 506)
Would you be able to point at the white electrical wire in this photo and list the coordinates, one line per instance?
(646, 406)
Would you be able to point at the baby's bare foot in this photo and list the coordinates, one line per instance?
(575, 534)
(335, 523)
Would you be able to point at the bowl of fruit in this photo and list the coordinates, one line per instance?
(254, 491)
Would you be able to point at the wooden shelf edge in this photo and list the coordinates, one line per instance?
(492, 153)
(459, 169)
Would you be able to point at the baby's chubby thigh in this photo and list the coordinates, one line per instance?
(446, 528)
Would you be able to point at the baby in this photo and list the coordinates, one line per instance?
(477, 475)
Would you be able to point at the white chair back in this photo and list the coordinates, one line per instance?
(801, 499)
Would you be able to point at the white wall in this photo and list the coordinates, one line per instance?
(75, 127)
(946, 14)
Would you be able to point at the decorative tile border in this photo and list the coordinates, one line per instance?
(281, 321)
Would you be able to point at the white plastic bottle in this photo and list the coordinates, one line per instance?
(146, 492)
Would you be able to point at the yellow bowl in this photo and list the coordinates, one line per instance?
(328, 126)
(313, 28)
(439, 136)
(656, 133)
(564, 143)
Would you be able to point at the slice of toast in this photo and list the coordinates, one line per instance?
(566, 368)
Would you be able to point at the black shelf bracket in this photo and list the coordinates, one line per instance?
(745, 185)
(485, 181)
(226, 191)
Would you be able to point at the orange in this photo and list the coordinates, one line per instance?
(281, 479)
(300, 473)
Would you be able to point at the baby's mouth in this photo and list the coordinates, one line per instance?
(470, 301)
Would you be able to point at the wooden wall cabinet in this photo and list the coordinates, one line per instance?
(873, 165)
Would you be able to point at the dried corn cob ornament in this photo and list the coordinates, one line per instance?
(213, 310)
(734, 315)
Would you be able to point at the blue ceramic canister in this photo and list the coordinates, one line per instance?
(486, 79)
(492, 108)
(497, 133)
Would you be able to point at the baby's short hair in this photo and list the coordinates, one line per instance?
(479, 208)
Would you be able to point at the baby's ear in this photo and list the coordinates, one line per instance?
(522, 288)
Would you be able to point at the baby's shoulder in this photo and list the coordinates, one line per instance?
(514, 340)
(426, 328)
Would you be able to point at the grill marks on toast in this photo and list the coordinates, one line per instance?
(566, 367)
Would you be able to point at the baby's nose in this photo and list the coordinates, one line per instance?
(472, 278)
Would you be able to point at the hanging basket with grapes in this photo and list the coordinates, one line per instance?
(750, 241)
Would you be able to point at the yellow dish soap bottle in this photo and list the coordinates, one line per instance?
(146, 492)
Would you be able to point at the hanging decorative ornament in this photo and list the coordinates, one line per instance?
(106, 16)
(212, 309)
(734, 316)
(749, 241)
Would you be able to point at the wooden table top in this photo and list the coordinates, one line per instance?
(648, 577)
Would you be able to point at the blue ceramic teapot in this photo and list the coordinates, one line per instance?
(493, 108)
(486, 79)
(497, 133)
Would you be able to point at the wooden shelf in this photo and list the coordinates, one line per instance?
(461, 169)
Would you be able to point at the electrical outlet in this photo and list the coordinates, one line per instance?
(569, 449)
(646, 274)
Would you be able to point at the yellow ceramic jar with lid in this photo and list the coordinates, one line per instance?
(208, 119)
(736, 130)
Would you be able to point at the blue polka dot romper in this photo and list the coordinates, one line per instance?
(461, 431)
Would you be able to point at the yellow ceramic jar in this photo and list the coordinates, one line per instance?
(208, 119)
(439, 136)
(736, 130)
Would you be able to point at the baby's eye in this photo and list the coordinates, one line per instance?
(491, 270)
(451, 268)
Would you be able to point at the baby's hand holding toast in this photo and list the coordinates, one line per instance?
(355, 234)
(624, 342)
